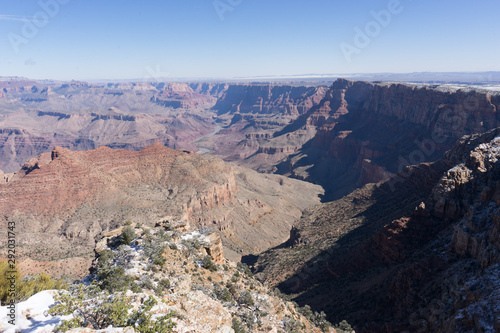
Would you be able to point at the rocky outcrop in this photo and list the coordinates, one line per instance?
(214, 248)
(418, 252)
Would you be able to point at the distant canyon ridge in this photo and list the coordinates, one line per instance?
(340, 137)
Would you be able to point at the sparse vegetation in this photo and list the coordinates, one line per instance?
(26, 286)
(237, 326)
(244, 269)
(222, 293)
(246, 298)
(114, 279)
(91, 305)
(343, 327)
(207, 263)
(128, 235)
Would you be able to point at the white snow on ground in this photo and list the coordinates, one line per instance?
(192, 235)
(30, 315)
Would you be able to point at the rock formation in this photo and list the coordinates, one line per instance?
(364, 132)
(62, 201)
(200, 295)
(418, 253)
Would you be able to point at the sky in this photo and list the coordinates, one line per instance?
(132, 39)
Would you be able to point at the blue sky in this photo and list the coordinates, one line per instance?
(125, 39)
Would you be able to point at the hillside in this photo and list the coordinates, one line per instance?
(417, 254)
(164, 279)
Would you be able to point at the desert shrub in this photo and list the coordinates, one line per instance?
(154, 247)
(249, 320)
(244, 269)
(106, 258)
(343, 327)
(237, 326)
(222, 293)
(142, 319)
(232, 289)
(146, 283)
(33, 284)
(317, 318)
(279, 294)
(163, 284)
(25, 287)
(246, 298)
(290, 325)
(114, 279)
(124, 256)
(90, 305)
(127, 235)
(207, 263)
(128, 222)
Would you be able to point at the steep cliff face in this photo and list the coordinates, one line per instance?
(419, 253)
(363, 132)
(63, 200)
(269, 99)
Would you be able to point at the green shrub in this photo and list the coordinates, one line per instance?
(90, 305)
(317, 318)
(246, 298)
(163, 284)
(343, 327)
(222, 293)
(143, 323)
(237, 326)
(207, 263)
(106, 258)
(154, 246)
(244, 268)
(25, 287)
(127, 235)
(114, 279)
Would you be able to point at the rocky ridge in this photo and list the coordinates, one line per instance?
(420, 253)
(192, 284)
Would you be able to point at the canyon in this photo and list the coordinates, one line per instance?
(71, 197)
(376, 202)
(420, 254)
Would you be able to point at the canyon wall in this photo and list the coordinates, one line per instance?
(416, 254)
(364, 132)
